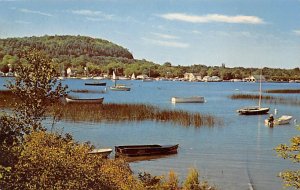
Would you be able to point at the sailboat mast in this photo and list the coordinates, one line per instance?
(259, 100)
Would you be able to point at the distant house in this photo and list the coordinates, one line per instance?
(192, 77)
(211, 79)
(255, 78)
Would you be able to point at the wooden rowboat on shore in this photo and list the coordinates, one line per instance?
(145, 150)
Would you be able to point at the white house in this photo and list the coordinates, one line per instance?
(192, 76)
(255, 78)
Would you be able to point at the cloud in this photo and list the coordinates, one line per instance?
(239, 19)
(167, 43)
(165, 36)
(35, 12)
(22, 22)
(297, 32)
(92, 15)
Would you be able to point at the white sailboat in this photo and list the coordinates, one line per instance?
(118, 87)
(255, 110)
(133, 76)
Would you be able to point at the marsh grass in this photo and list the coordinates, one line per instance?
(267, 99)
(134, 112)
(283, 91)
(113, 112)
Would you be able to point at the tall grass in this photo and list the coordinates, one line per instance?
(267, 99)
(122, 112)
(134, 112)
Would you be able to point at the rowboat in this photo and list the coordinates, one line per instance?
(284, 119)
(120, 88)
(253, 110)
(95, 83)
(85, 101)
(145, 150)
(103, 152)
(193, 99)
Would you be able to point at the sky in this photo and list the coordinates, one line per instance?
(238, 33)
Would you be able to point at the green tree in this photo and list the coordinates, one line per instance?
(37, 88)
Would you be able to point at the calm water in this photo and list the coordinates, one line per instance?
(230, 156)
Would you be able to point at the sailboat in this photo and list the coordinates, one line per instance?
(118, 87)
(254, 110)
(133, 76)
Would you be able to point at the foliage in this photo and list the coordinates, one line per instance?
(172, 183)
(51, 161)
(291, 152)
(149, 181)
(37, 89)
(192, 182)
(102, 57)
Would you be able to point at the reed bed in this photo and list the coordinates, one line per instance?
(113, 112)
(134, 112)
(267, 99)
(283, 91)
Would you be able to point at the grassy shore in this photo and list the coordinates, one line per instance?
(122, 112)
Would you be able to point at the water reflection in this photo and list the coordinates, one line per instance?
(147, 158)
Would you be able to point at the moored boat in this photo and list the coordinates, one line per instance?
(95, 83)
(145, 150)
(284, 119)
(103, 152)
(253, 110)
(85, 101)
(193, 99)
(120, 88)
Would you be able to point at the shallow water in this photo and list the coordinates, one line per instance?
(230, 156)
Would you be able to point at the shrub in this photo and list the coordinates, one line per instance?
(50, 161)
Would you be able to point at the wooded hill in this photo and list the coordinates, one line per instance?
(72, 46)
(100, 56)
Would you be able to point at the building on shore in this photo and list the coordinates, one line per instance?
(255, 78)
(192, 77)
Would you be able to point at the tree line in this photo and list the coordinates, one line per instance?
(86, 55)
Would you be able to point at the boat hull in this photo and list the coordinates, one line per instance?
(103, 152)
(194, 99)
(283, 120)
(253, 111)
(95, 84)
(119, 88)
(145, 150)
(85, 101)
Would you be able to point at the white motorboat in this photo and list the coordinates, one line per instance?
(284, 119)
